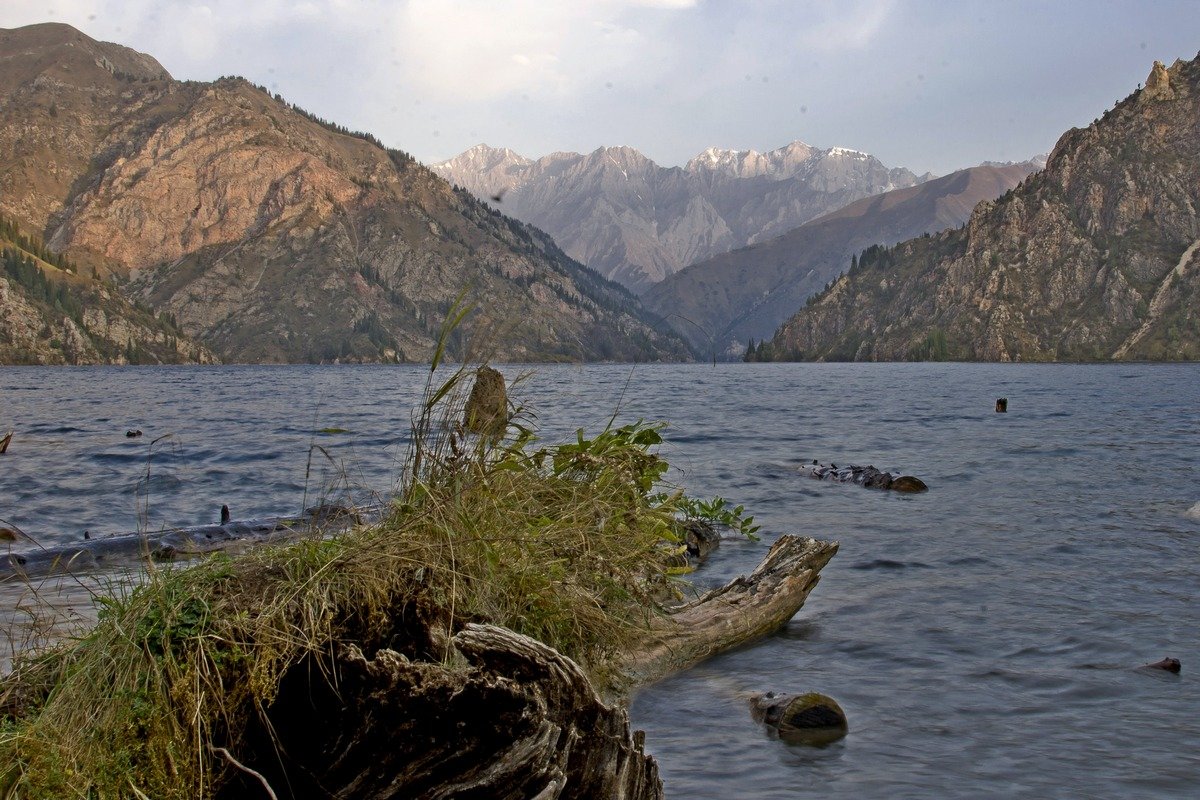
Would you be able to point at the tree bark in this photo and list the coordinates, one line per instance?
(743, 610)
(520, 720)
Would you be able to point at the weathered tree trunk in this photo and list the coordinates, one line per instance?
(741, 611)
(519, 721)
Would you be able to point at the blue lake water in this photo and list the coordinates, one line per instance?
(981, 637)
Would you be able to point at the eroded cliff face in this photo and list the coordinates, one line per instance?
(273, 236)
(1091, 259)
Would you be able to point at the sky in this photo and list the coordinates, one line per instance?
(932, 86)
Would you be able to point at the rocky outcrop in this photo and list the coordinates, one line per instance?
(272, 236)
(721, 303)
(1158, 84)
(637, 222)
(50, 314)
(1091, 259)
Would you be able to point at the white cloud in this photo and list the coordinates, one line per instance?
(474, 50)
(839, 24)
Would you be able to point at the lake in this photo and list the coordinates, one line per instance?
(982, 637)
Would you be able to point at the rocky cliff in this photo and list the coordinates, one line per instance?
(637, 222)
(271, 235)
(721, 303)
(50, 314)
(1094, 258)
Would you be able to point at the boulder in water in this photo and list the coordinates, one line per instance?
(810, 718)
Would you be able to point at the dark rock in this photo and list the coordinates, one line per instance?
(868, 476)
(701, 538)
(1168, 664)
(907, 483)
(811, 718)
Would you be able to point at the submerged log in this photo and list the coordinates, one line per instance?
(123, 549)
(868, 476)
(516, 719)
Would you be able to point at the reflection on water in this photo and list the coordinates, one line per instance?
(959, 629)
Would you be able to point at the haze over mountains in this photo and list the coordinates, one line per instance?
(1097, 257)
(721, 303)
(637, 222)
(269, 235)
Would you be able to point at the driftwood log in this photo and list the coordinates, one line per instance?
(123, 549)
(868, 476)
(741, 611)
(514, 719)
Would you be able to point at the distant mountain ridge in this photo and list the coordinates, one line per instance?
(636, 222)
(1093, 258)
(746, 294)
(271, 235)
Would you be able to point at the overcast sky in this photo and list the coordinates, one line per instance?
(922, 84)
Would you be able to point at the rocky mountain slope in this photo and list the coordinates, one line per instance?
(637, 222)
(50, 314)
(721, 303)
(1094, 258)
(271, 235)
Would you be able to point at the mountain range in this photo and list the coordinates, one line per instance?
(637, 222)
(267, 234)
(721, 303)
(1093, 258)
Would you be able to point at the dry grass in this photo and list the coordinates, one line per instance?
(567, 544)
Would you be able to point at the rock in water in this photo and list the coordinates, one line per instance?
(811, 718)
(1167, 664)
(487, 407)
(868, 476)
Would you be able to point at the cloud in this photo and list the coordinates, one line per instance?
(841, 25)
(474, 51)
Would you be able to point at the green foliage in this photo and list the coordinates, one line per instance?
(719, 512)
(933, 348)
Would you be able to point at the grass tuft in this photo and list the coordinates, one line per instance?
(571, 544)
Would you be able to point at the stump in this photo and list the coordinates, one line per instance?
(518, 721)
(505, 716)
(486, 412)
